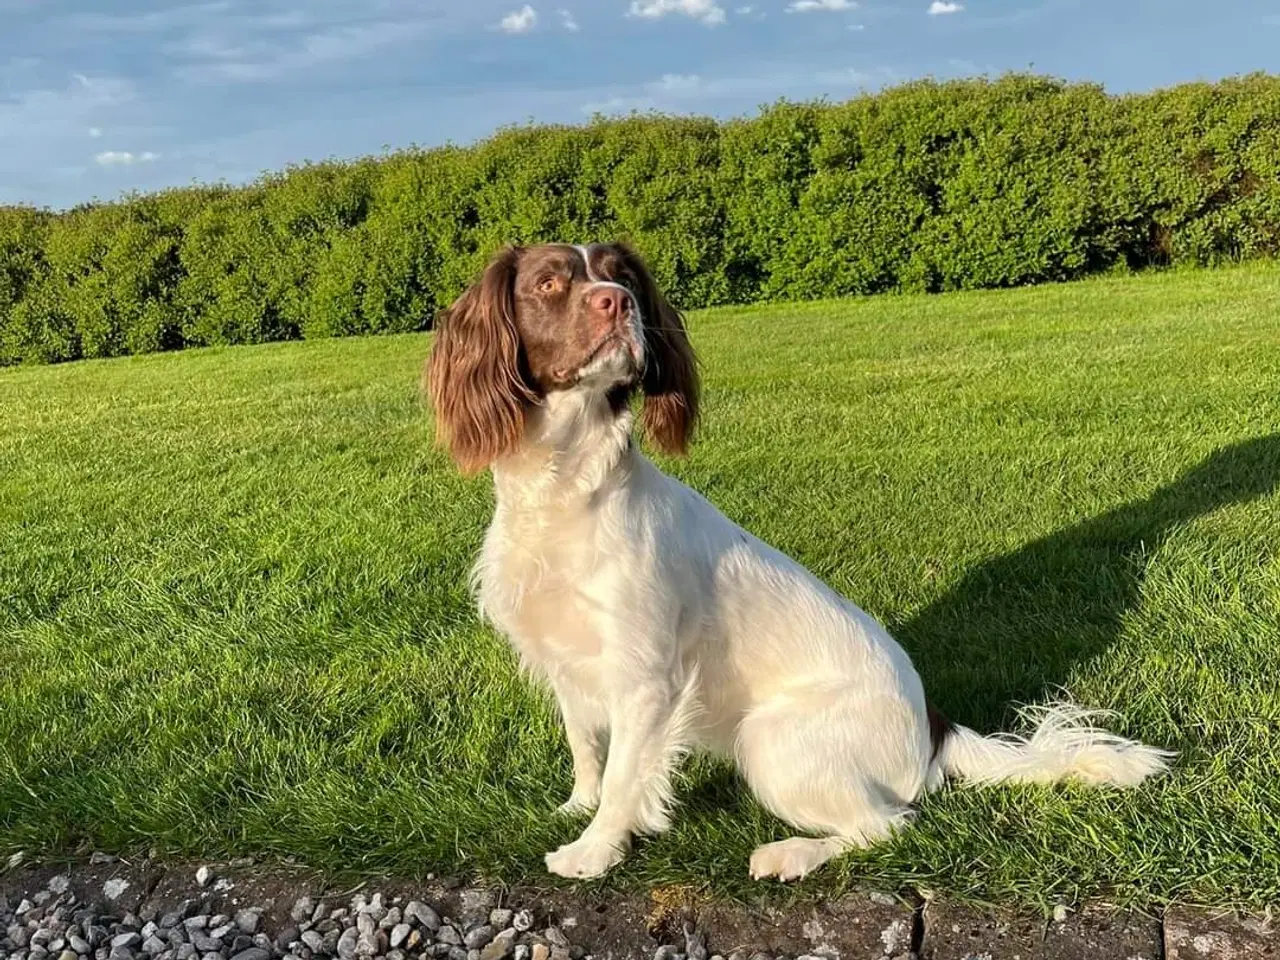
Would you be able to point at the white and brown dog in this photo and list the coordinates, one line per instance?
(659, 624)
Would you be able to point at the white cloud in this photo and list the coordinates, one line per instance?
(679, 83)
(153, 21)
(707, 11)
(219, 59)
(123, 158)
(519, 21)
(568, 22)
(685, 93)
(95, 132)
(939, 7)
(833, 6)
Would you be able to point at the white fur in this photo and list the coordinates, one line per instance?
(661, 626)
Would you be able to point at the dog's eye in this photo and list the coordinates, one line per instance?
(548, 284)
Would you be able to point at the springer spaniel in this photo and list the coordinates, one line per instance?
(659, 624)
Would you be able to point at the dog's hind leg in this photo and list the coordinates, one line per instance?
(814, 761)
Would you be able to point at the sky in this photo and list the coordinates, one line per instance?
(100, 97)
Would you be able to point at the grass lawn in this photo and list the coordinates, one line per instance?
(233, 615)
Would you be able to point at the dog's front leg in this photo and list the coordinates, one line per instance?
(636, 789)
(583, 729)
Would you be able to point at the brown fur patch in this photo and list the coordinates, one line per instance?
(939, 729)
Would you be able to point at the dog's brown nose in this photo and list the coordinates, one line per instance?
(610, 302)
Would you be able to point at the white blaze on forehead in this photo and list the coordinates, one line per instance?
(585, 253)
(634, 320)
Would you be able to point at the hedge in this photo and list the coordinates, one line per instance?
(928, 186)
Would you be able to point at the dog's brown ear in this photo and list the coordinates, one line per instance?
(474, 374)
(670, 383)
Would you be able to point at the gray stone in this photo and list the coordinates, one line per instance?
(457, 953)
(153, 946)
(249, 920)
(555, 936)
(196, 923)
(68, 955)
(252, 953)
(399, 935)
(417, 911)
(288, 936)
(60, 884)
(500, 947)
(303, 908)
(203, 876)
(205, 943)
(522, 921)
(952, 932)
(347, 943)
(78, 944)
(449, 935)
(314, 941)
(1196, 935)
(366, 924)
(476, 903)
(695, 943)
(128, 939)
(241, 941)
(185, 951)
(479, 937)
(500, 918)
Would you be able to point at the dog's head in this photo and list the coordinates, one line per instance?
(555, 318)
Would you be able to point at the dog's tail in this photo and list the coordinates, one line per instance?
(1063, 745)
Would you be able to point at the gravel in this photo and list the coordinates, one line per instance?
(53, 924)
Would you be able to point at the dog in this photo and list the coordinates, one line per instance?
(660, 625)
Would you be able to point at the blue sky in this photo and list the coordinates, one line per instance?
(103, 96)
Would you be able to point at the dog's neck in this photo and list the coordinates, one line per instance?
(577, 443)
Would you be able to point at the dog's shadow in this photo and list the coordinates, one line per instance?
(1014, 627)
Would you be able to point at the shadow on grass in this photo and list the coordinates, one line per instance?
(1015, 626)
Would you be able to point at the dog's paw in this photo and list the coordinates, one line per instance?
(579, 804)
(585, 858)
(790, 859)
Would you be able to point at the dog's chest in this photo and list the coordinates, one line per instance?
(540, 590)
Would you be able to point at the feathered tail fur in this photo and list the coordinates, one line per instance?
(1064, 744)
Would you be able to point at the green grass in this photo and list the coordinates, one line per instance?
(233, 617)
